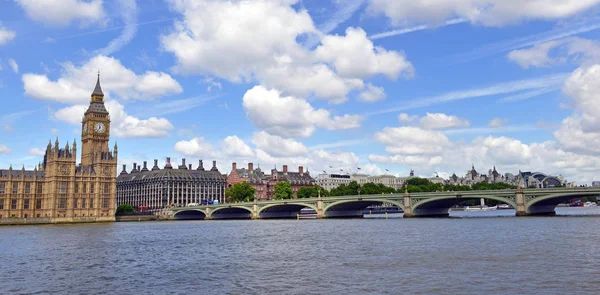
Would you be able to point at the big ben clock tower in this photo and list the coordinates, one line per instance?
(95, 129)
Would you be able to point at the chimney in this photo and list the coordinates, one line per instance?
(300, 169)
(168, 165)
(200, 166)
(145, 166)
(250, 166)
(190, 166)
(134, 168)
(183, 162)
(155, 165)
(214, 167)
(233, 166)
(284, 168)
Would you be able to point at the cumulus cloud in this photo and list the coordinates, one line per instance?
(442, 121)
(123, 125)
(372, 94)
(278, 146)
(74, 84)
(6, 35)
(406, 118)
(234, 147)
(288, 116)
(485, 12)
(4, 149)
(355, 56)
(572, 49)
(63, 12)
(197, 147)
(497, 122)
(231, 40)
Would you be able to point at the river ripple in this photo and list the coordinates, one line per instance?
(545, 255)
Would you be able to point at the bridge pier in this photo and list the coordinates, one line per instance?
(521, 210)
(407, 206)
(255, 215)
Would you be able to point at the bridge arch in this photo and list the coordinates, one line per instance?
(283, 210)
(190, 214)
(546, 204)
(439, 206)
(355, 207)
(231, 212)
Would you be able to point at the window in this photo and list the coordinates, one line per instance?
(84, 188)
(91, 203)
(15, 188)
(40, 188)
(26, 204)
(106, 188)
(83, 203)
(63, 187)
(75, 201)
(105, 203)
(28, 188)
(2, 187)
(62, 203)
(38, 204)
(1, 204)
(13, 204)
(91, 188)
(77, 188)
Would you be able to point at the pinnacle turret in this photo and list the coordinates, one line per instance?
(98, 88)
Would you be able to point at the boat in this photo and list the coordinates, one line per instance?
(504, 207)
(590, 204)
(481, 208)
(307, 213)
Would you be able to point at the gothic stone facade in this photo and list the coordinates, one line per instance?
(155, 189)
(59, 190)
(264, 184)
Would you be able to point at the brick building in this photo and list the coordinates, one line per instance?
(264, 184)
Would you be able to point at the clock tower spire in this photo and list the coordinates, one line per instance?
(95, 128)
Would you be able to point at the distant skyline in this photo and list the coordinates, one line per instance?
(376, 84)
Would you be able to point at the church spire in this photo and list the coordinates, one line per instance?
(98, 89)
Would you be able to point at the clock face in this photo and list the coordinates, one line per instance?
(99, 127)
(85, 128)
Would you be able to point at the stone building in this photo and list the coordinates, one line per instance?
(59, 189)
(156, 188)
(331, 181)
(264, 184)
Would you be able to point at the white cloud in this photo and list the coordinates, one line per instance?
(54, 131)
(497, 122)
(539, 55)
(128, 11)
(122, 124)
(442, 121)
(536, 56)
(412, 141)
(231, 40)
(6, 35)
(76, 83)
(407, 30)
(581, 131)
(287, 116)
(355, 56)
(63, 12)
(278, 146)
(372, 94)
(406, 118)
(13, 65)
(36, 152)
(4, 149)
(485, 12)
(233, 146)
(197, 147)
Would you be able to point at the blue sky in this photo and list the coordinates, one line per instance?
(375, 84)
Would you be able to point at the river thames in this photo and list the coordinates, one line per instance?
(472, 253)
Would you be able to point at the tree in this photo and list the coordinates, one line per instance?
(240, 192)
(283, 191)
(305, 192)
(125, 209)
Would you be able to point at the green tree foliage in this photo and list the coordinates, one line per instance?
(312, 192)
(125, 209)
(283, 191)
(304, 192)
(240, 192)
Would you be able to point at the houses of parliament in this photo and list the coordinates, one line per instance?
(60, 190)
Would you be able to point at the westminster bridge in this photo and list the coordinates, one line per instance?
(527, 202)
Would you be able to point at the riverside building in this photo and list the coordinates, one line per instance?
(60, 190)
(155, 188)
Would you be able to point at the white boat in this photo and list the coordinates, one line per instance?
(481, 208)
(590, 204)
(504, 207)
